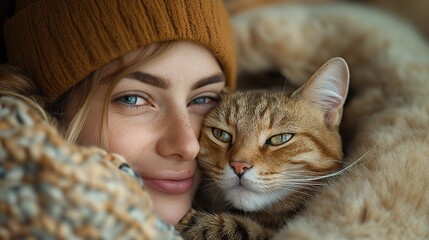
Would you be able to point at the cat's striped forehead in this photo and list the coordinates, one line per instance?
(261, 108)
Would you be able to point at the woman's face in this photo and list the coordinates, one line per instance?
(155, 116)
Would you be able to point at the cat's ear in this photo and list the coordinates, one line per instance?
(327, 90)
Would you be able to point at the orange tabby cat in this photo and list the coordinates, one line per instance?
(267, 153)
(386, 195)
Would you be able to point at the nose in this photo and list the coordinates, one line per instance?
(240, 167)
(179, 138)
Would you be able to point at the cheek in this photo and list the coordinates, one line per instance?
(130, 140)
(197, 123)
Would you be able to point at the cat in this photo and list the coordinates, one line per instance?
(385, 121)
(267, 153)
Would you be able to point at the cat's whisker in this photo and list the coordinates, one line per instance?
(294, 188)
(279, 199)
(300, 186)
(301, 192)
(289, 173)
(297, 182)
(286, 82)
(294, 182)
(362, 158)
(341, 161)
(210, 186)
(210, 167)
(228, 205)
(343, 170)
(212, 190)
(298, 175)
(294, 175)
(218, 197)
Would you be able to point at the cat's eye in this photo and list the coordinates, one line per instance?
(222, 135)
(279, 139)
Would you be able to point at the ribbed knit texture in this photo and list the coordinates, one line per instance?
(62, 41)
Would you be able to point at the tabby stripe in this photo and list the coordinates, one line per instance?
(228, 118)
(206, 234)
(222, 225)
(225, 236)
(323, 149)
(262, 112)
(242, 230)
(190, 223)
(272, 117)
(321, 146)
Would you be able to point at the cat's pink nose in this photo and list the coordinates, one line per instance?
(240, 167)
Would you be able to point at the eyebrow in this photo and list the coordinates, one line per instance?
(149, 79)
(216, 78)
(165, 84)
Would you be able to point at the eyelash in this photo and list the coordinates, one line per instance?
(209, 98)
(119, 99)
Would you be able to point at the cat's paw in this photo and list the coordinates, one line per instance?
(203, 225)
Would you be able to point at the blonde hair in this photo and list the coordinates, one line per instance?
(71, 121)
(15, 82)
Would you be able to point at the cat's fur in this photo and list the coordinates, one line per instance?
(267, 153)
(386, 120)
(414, 11)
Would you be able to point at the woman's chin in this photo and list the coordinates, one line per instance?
(170, 207)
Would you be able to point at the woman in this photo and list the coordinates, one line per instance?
(133, 77)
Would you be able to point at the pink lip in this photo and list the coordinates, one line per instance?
(170, 186)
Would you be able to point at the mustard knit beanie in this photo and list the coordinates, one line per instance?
(62, 41)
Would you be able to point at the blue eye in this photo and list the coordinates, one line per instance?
(201, 100)
(131, 100)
